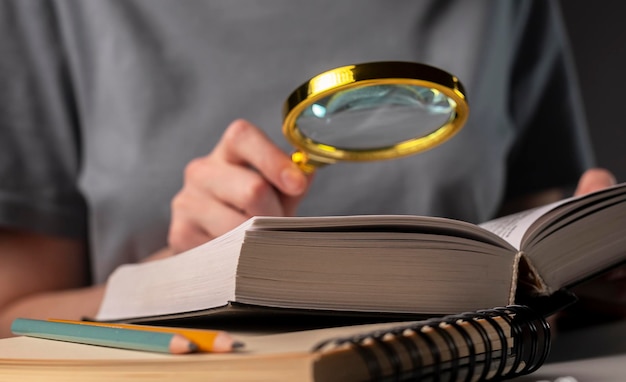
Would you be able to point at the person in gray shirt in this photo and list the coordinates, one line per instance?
(132, 130)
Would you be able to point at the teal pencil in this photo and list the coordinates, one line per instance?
(104, 336)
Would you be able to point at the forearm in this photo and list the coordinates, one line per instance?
(68, 304)
(74, 303)
(35, 269)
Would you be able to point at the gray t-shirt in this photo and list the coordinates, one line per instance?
(103, 103)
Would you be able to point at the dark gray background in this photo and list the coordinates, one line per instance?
(598, 37)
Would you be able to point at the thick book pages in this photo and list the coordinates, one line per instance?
(393, 264)
(569, 241)
(486, 345)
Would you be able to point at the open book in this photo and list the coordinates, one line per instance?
(380, 264)
(494, 344)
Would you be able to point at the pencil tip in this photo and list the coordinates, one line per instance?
(193, 347)
(238, 345)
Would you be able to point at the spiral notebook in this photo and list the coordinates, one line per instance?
(492, 344)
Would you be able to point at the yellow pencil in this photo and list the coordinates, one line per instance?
(213, 341)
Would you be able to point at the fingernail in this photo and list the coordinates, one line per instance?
(293, 180)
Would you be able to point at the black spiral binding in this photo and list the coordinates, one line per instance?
(498, 360)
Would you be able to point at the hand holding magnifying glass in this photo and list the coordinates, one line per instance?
(355, 113)
(372, 111)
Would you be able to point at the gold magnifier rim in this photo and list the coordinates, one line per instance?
(369, 74)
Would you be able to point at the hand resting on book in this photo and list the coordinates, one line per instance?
(605, 295)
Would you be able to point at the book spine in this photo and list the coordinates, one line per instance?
(486, 345)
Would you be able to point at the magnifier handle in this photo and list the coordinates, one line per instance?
(307, 163)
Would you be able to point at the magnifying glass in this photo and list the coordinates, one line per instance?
(372, 111)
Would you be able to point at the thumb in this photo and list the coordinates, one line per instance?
(593, 180)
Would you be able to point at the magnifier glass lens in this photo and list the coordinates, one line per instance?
(371, 117)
